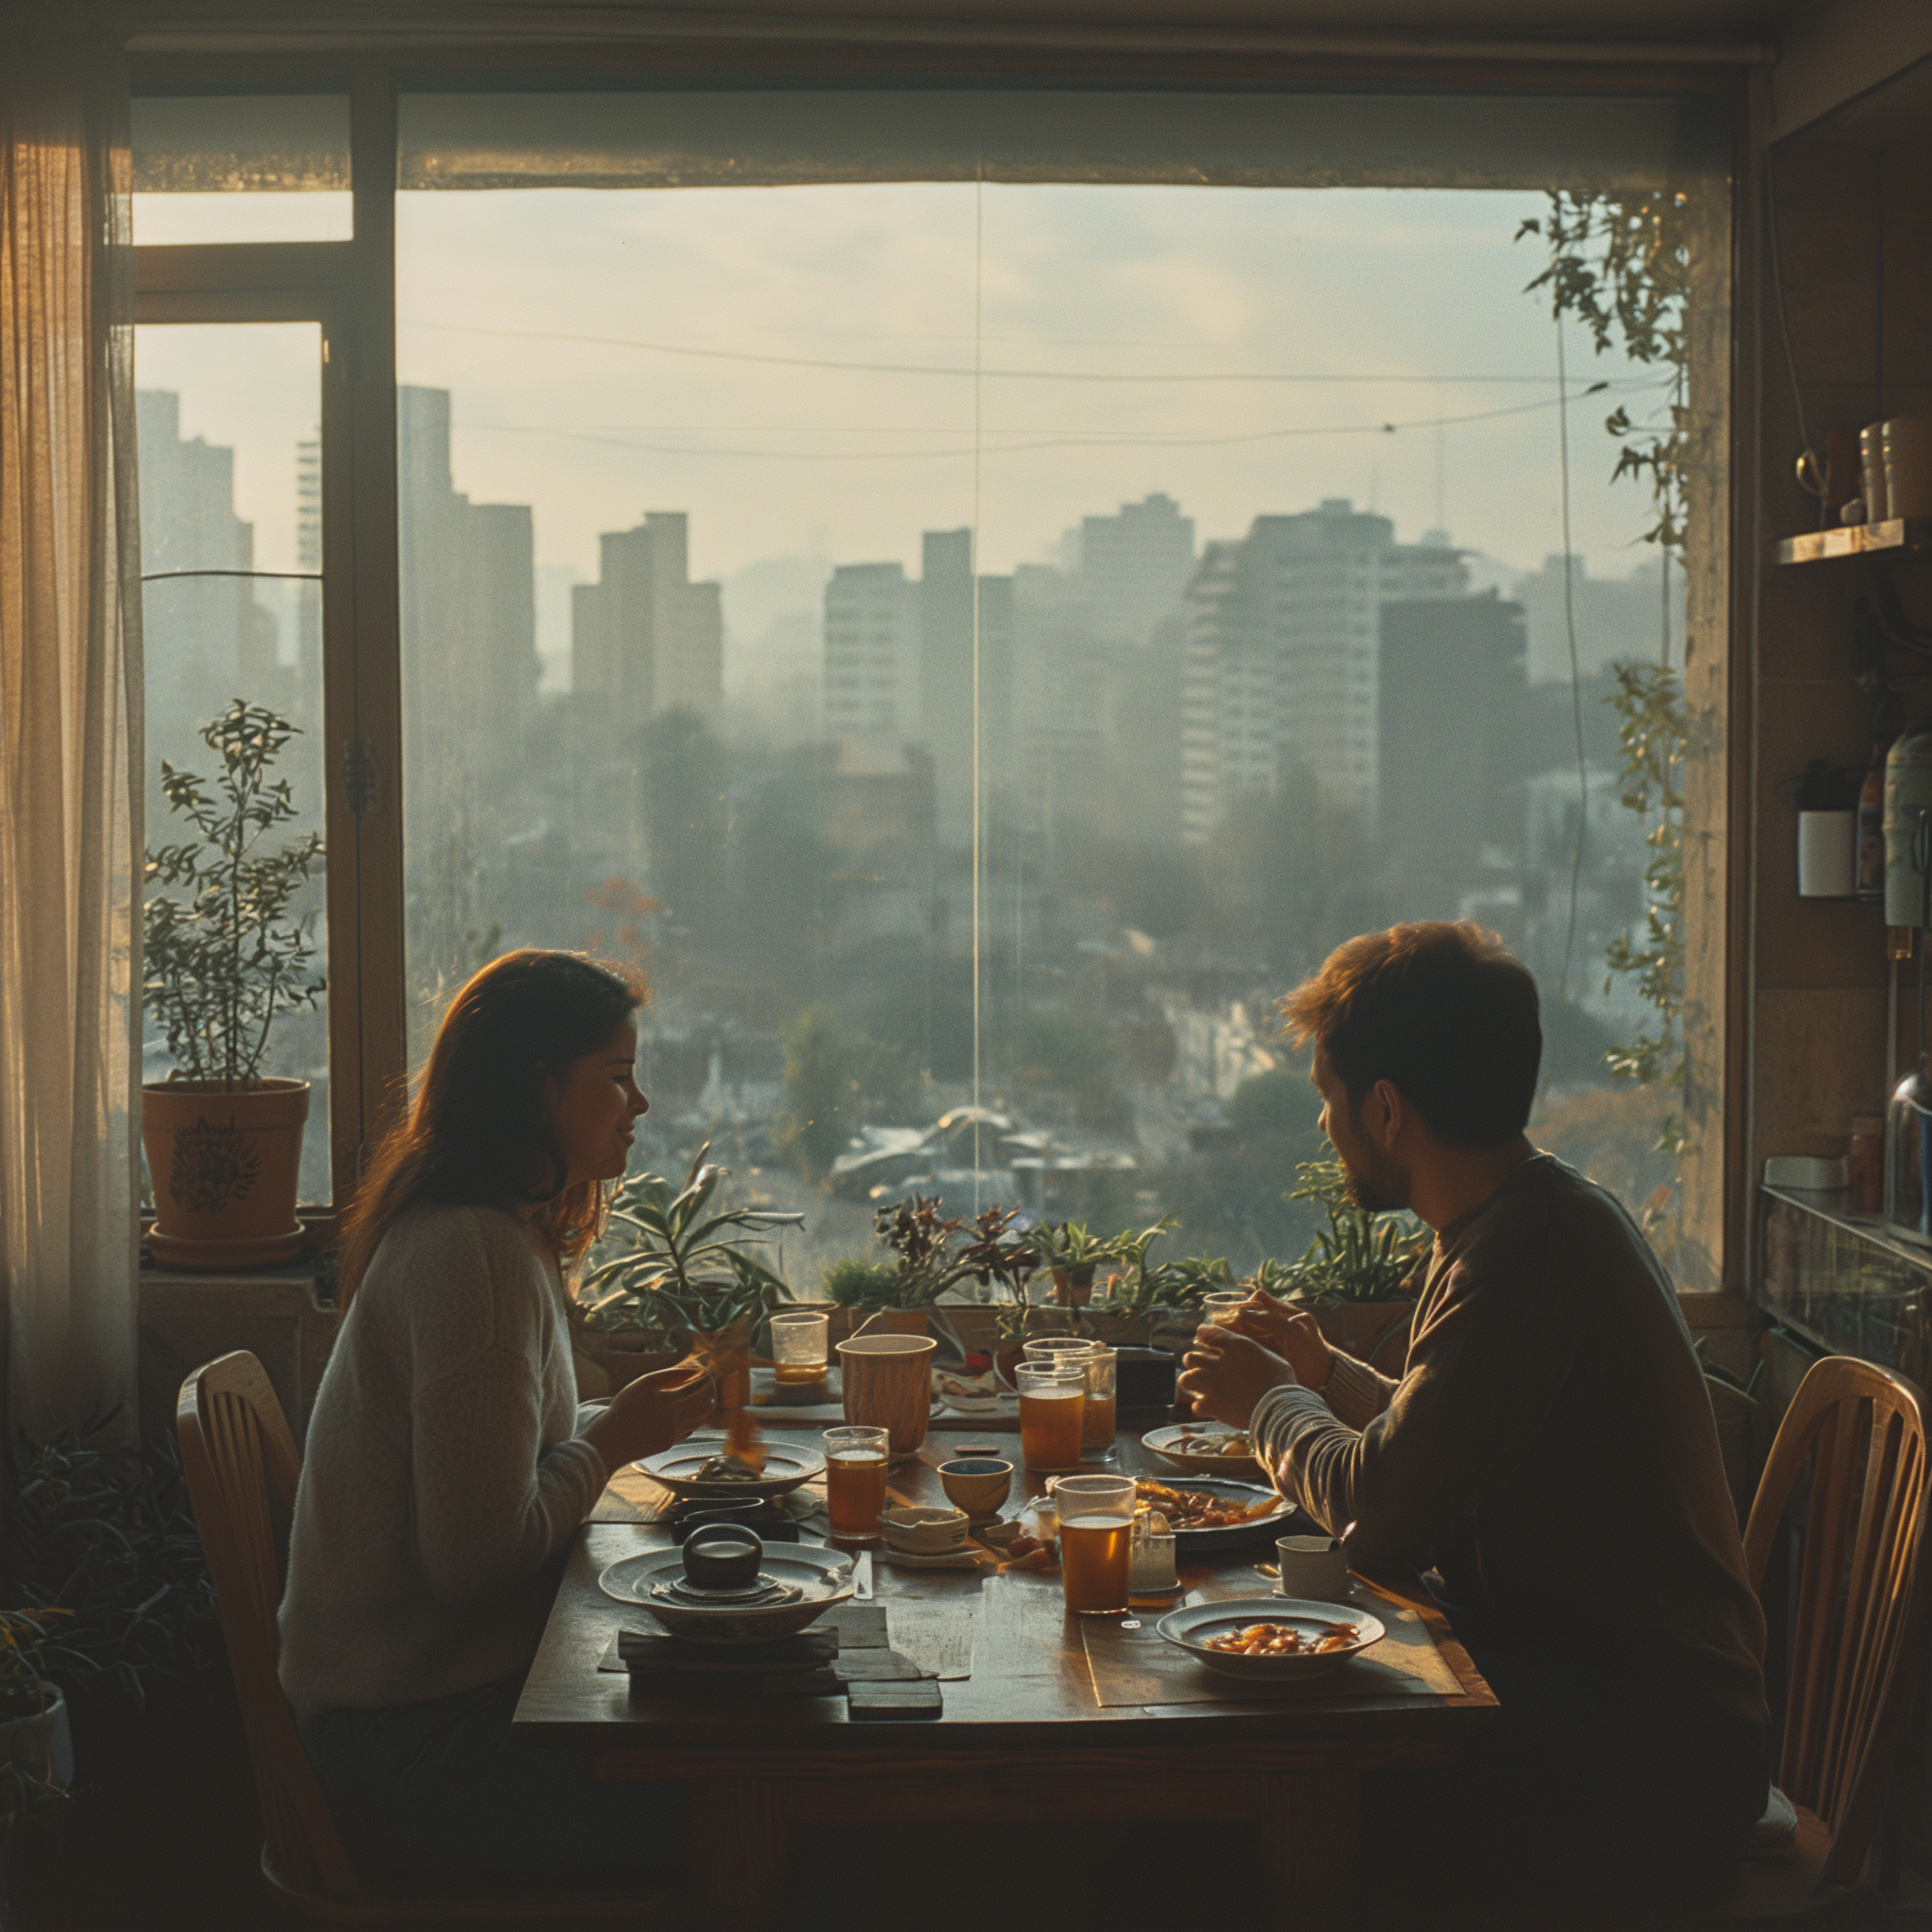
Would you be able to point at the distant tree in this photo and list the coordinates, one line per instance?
(1279, 1102)
(837, 1079)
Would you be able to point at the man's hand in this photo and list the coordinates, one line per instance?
(652, 1413)
(1291, 1334)
(1226, 1374)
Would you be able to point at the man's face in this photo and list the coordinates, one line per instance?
(1377, 1180)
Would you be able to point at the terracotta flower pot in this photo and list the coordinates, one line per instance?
(224, 1162)
(1073, 1287)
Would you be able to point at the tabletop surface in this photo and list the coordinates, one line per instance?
(1013, 1666)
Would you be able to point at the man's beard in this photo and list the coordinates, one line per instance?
(1380, 1187)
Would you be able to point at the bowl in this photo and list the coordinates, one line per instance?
(822, 1577)
(1186, 1629)
(722, 1555)
(979, 1484)
(1166, 1443)
(923, 1532)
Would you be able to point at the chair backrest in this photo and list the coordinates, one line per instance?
(240, 1466)
(1861, 1592)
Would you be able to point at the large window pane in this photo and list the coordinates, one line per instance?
(986, 639)
(230, 489)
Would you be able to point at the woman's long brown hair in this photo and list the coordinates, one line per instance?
(480, 1134)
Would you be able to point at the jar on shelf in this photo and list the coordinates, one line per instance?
(1865, 1164)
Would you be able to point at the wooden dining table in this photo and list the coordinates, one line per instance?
(1044, 1715)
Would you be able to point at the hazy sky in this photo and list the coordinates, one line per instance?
(1361, 307)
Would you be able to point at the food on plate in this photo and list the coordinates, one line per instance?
(725, 1469)
(1028, 1552)
(1284, 1639)
(1203, 1509)
(1230, 1442)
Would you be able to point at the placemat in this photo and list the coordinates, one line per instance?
(1141, 1667)
(860, 1627)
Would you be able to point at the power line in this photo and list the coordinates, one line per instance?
(1119, 440)
(967, 372)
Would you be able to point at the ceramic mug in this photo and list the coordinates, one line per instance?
(1908, 467)
(1314, 1567)
(886, 1381)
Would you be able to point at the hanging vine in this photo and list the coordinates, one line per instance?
(1620, 265)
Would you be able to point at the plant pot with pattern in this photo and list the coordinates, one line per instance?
(1359, 1275)
(227, 950)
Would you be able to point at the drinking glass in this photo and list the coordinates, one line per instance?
(1096, 1515)
(1053, 1404)
(800, 1346)
(856, 1459)
(1097, 1361)
(1223, 1306)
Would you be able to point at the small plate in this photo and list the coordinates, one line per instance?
(786, 1468)
(1165, 1444)
(823, 1575)
(1185, 1629)
(1233, 1536)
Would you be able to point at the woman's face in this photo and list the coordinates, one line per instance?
(593, 1107)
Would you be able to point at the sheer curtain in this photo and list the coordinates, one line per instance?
(70, 713)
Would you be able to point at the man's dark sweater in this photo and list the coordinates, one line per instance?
(1550, 1450)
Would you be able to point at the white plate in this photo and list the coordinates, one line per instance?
(823, 1575)
(1164, 1444)
(786, 1468)
(1186, 1629)
(1232, 1536)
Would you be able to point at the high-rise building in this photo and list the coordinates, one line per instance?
(1132, 567)
(872, 656)
(1611, 617)
(207, 639)
(645, 639)
(1450, 719)
(1281, 656)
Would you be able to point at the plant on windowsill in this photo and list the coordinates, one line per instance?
(224, 955)
(684, 1274)
(938, 1255)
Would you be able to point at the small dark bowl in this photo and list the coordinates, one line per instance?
(722, 1555)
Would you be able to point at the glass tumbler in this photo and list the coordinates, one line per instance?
(1224, 1304)
(1096, 1515)
(1053, 1404)
(1098, 1363)
(801, 1345)
(856, 1459)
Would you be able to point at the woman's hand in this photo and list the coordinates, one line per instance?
(652, 1413)
(1292, 1335)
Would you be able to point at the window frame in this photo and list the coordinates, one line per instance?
(350, 288)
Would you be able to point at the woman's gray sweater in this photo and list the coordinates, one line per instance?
(444, 1475)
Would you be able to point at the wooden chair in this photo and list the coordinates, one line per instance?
(240, 1465)
(1858, 1624)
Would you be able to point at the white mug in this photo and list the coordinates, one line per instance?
(1314, 1567)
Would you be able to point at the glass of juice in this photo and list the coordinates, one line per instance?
(1096, 1515)
(1098, 1360)
(801, 1346)
(856, 1459)
(1223, 1305)
(1053, 1407)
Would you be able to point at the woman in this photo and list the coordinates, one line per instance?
(448, 1464)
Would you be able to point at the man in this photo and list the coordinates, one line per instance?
(1549, 1451)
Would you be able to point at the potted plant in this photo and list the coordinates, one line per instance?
(1072, 1257)
(223, 959)
(1358, 1272)
(678, 1277)
(931, 1262)
(860, 1288)
(36, 1736)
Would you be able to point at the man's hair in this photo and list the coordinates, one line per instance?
(1441, 1009)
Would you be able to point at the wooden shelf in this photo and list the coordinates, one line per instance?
(1856, 539)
